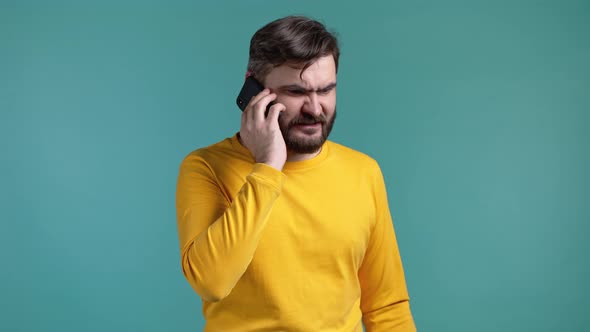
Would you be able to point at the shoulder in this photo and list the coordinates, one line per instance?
(222, 151)
(208, 155)
(350, 156)
(226, 157)
(210, 150)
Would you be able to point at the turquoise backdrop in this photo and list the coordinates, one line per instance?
(478, 112)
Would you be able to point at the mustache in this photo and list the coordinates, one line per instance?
(308, 119)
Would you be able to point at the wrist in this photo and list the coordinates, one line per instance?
(274, 164)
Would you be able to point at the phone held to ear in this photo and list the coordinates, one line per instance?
(250, 89)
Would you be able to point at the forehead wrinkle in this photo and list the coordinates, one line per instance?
(293, 75)
(299, 87)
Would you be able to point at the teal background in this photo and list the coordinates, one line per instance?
(477, 111)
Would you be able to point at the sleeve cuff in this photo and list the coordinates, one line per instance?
(269, 174)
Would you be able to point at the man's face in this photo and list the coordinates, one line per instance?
(310, 101)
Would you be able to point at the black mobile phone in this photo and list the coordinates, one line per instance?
(250, 89)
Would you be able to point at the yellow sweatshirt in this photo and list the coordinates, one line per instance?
(311, 248)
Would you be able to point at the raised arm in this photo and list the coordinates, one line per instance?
(218, 238)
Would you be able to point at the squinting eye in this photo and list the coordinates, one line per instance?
(296, 92)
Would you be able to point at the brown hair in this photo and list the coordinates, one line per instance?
(293, 39)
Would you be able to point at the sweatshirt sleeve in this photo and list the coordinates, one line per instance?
(384, 296)
(218, 238)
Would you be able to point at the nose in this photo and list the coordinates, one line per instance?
(312, 104)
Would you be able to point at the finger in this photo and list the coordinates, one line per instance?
(244, 119)
(260, 107)
(256, 98)
(274, 112)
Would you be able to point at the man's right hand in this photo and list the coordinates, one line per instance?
(262, 136)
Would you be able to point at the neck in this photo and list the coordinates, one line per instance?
(292, 156)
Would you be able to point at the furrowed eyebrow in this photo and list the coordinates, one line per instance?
(328, 87)
(296, 87)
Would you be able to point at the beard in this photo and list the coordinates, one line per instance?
(306, 144)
